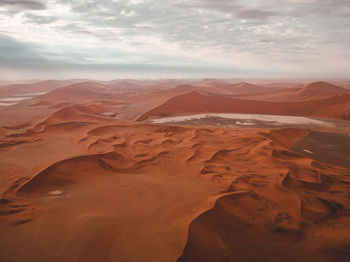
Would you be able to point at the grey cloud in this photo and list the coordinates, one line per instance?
(286, 21)
(326, 8)
(28, 55)
(84, 32)
(235, 8)
(262, 10)
(274, 30)
(72, 27)
(22, 55)
(24, 4)
(17, 54)
(255, 13)
(39, 19)
(77, 28)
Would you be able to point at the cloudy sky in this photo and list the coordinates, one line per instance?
(178, 38)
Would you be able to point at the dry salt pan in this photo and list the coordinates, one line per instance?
(56, 193)
(308, 151)
(111, 114)
(245, 123)
(280, 119)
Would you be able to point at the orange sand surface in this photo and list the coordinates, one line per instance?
(79, 181)
(337, 107)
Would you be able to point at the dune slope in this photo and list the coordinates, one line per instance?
(193, 102)
(298, 211)
(312, 91)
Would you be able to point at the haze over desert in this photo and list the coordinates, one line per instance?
(181, 131)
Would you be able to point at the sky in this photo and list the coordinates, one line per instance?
(109, 39)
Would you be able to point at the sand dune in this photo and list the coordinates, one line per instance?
(2, 131)
(270, 193)
(139, 155)
(29, 88)
(322, 90)
(312, 91)
(78, 113)
(287, 137)
(77, 184)
(193, 103)
(212, 87)
(75, 93)
(147, 99)
(221, 87)
(294, 206)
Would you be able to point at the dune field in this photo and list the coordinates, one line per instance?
(96, 171)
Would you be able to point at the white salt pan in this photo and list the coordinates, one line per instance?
(56, 193)
(266, 118)
(308, 151)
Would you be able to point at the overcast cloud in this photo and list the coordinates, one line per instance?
(158, 38)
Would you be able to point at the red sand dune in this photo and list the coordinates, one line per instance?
(322, 90)
(312, 91)
(157, 97)
(15, 89)
(2, 132)
(287, 137)
(129, 84)
(75, 93)
(221, 87)
(79, 186)
(235, 88)
(284, 214)
(141, 99)
(335, 107)
(77, 113)
(148, 182)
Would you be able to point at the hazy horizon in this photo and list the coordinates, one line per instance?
(232, 79)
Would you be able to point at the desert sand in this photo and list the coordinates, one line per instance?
(82, 180)
(336, 107)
